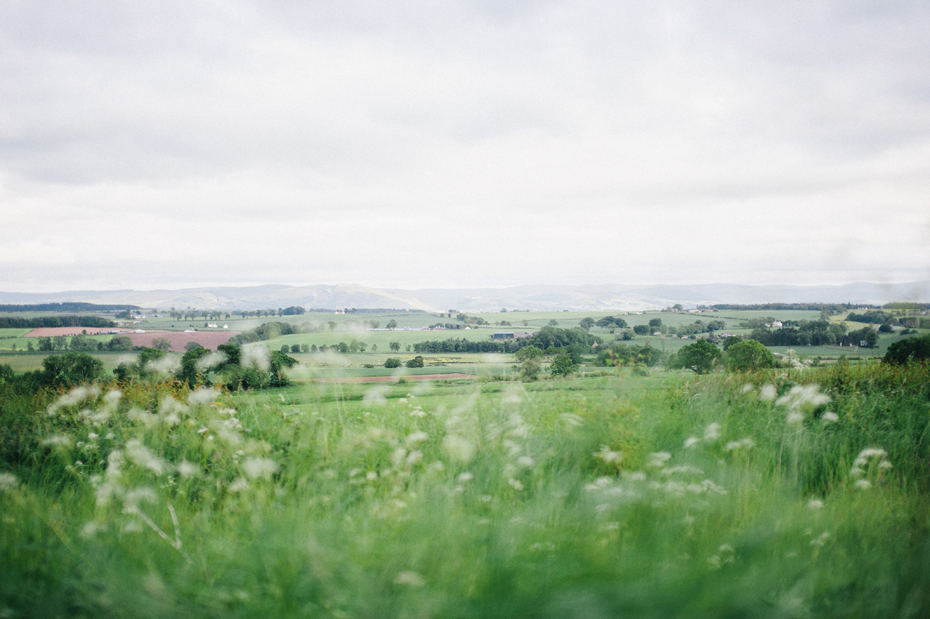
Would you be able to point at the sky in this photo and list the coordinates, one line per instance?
(174, 144)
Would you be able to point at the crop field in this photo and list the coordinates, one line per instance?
(664, 495)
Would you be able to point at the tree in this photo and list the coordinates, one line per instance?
(655, 323)
(70, 369)
(587, 323)
(416, 362)
(395, 346)
(189, 372)
(562, 365)
(391, 362)
(392, 324)
(700, 356)
(907, 350)
(530, 358)
(641, 329)
(730, 341)
(191, 346)
(161, 343)
(553, 323)
(748, 355)
(611, 322)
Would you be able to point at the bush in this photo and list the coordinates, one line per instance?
(391, 362)
(70, 369)
(910, 349)
(416, 362)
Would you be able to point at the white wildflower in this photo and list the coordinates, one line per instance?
(863, 484)
(515, 483)
(409, 579)
(829, 417)
(142, 417)
(415, 438)
(608, 456)
(464, 477)
(260, 467)
(210, 361)
(691, 441)
(91, 528)
(459, 449)
(820, 540)
(748, 387)
(186, 469)
(398, 456)
(134, 497)
(658, 459)
(142, 456)
(856, 472)
(767, 393)
(526, 462)
(58, 440)
(743, 443)
(415, 457)
(884, 464)
(571, 419)
(712, 433)
(803, 397)
(815, 504)
(8, 482)
(74, 397)
(239, 485)
(202, 397)
(402, 400)
(371, 475)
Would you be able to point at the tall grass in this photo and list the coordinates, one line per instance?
(759, 495)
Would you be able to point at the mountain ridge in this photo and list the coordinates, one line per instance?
(544, 297)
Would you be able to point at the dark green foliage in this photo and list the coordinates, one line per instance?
(189, 372)
(641, 329)
(701, 357)
(120, 343)
(611, 322)
(7, 322)
(416, 362)
(748, 355)
(391, 362)
(621, 354)
(907, 350)
(70, 369)
(562, 365)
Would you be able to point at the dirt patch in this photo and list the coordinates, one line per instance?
(388, 379)
(207, 339)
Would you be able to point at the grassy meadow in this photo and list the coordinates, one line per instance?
(774, 494)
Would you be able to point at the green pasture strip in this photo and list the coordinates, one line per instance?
(667, 495)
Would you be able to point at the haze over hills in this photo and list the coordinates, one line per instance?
(532, 297)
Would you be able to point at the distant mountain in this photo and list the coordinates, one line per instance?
(542, 298)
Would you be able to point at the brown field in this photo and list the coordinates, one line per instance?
(207, 339)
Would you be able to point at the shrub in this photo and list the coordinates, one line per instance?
(391, 362)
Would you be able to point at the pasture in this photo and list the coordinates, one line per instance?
(666, 495)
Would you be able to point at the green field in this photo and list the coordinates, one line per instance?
(664, 495)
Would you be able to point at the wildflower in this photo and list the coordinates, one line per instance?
(239, 485)
(748, 387)
(371, 476)
(134, 497)
(515, 483)
(142, 456)
(464, 477)
(415, 438)
(744, 443)
(8, 482)
(863, 484)
(398, 456)
(856, 472)
(820, 540)
(712, 433)
(572, 420)
(57, 440)
(186, 469)
(74, 397)
(202, 397)
(608, 456)
(402, 400)
(691, 441)
(829, 417)
(410, 579)
(526, 461)
(658, 459)
(459, 449)
(260, 467)
(815, 504)
(803, 397)
(415, 457)
(767, 393)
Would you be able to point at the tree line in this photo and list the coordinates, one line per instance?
(45, 322)
(71, 306)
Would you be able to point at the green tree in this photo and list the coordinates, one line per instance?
(700, 356)
(395, 346)
(161, 343)
(641, 329)
(391, 362)
(562, 365)
(70, 369)
(192, 346)
(530, 358)
(416, 362)
(392, 324)
(587, 323)
(189, 372)
(611, 322)
(553, 323)
(748, 355)
(655, 323)
(907, 350)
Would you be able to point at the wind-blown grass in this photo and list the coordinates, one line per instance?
(713, 496)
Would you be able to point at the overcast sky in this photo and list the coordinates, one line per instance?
(148, 144)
